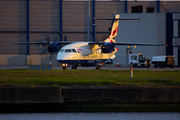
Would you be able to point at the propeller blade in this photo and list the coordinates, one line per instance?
(48, 38)
(44, 51)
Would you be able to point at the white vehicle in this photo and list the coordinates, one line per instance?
(163, 61)
(88, 53)
(137, 60)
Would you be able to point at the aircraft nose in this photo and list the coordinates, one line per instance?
(64, 56)
(58, 56)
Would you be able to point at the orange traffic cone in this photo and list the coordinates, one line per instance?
(50, 62)
(117, 64)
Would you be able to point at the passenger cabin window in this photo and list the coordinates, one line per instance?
(62, 50)
(67, 50)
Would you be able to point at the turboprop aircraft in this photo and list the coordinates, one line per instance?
(89, 53)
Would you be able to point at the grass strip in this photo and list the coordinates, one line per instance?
(89, 78)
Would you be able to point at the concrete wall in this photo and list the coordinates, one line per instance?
(31, 94)
(13, 59)
(75, 94)
(44, 59)
(89, 99)
(122, 94)
(23, 60)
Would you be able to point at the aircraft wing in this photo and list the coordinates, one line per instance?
(27, 43)
(96, 43)
(139, 44)
(121, 19)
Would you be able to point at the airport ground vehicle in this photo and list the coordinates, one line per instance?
(163, 61)
(137, 60)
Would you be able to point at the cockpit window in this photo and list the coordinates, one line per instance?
(62, 50)
(67, 50)
(74, 50)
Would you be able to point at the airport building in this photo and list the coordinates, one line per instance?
(67, 20)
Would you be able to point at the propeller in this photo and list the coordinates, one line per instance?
(49, 46)
(47, 37)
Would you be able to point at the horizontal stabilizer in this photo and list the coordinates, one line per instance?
(121, 19)
(139, 44)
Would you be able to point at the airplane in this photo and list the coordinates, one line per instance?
(89, 53)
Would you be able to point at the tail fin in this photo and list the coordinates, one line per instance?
(114, 29)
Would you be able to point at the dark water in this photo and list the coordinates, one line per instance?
(91, 116)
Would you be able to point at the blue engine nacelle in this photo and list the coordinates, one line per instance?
(107, 47)
(53, 47)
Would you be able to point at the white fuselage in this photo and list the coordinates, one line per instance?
(80, 53)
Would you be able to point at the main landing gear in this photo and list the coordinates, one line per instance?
(74, 67)
(98, 67)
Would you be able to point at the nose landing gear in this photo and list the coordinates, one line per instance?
(98, 67)
(74, 67)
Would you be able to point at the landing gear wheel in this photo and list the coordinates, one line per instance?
(74, 67)
(64, 68)
(155, 66)
(163, 66)
(98, 67)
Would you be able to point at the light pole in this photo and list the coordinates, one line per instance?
(88, 20)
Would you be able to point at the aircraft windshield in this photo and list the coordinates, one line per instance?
(74, 50)
(62, 50)
(67, 50)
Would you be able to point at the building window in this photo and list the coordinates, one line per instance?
(150, 9)
(137, 9)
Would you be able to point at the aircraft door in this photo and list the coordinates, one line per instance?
(79, 55)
